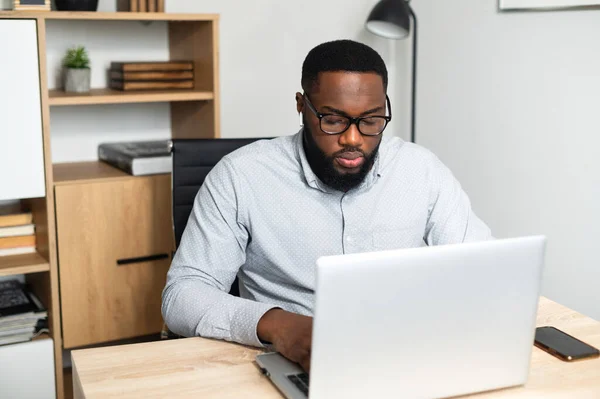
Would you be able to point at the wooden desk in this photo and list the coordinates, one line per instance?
(202, 368)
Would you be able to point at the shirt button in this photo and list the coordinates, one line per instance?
(349, 239)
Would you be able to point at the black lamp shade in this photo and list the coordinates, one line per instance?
(390, 19)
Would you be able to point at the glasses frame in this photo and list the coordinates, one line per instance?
(353, 121)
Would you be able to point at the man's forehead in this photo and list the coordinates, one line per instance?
(348, 84)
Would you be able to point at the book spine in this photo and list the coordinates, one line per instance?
(17, 242)
(116, 159)
(169, 66)
(15, 231)
(151, 85)
(141, 76)
(15, 219)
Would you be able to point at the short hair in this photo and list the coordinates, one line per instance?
(341, 55)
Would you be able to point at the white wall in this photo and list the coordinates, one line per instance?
(263, 45)
(510, 102)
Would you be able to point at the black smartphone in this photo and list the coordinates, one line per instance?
(563, 345)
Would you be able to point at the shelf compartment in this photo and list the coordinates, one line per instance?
(23, 264)
(109, 96)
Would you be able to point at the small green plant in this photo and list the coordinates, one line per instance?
(77, 58)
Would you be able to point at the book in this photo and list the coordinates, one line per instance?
(151, 6)
(151, 75)
(139, 157)
(14, 231)
(17, 251)
(161, 6)
(32, 5)
(22, 314)
(137, 66)
(16, 219)
(151, 85)
(127, 5)
(18, 302)
(16, 242)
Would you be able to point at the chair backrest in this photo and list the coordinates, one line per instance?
(192, 160)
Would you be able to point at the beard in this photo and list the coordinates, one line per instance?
(322, 165)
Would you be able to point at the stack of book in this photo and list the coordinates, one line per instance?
(32, 5)
(138, 157)
(17, 234)
(141, 5)
(22, 315)
(152, 75)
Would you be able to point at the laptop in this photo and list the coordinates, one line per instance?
(429, 322)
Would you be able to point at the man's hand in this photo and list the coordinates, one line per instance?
(290, 334)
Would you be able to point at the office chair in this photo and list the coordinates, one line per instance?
(192, 160)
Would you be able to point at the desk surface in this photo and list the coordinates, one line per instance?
(203, 368)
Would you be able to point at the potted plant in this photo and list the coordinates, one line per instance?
(77, 74)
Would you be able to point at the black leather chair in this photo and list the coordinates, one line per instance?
(192, 160)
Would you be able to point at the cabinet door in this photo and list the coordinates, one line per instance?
(21, 148)
(105, 230)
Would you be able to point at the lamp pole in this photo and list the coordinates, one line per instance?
(414, 76)
(392, 19)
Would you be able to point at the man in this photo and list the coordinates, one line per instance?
(267, 211)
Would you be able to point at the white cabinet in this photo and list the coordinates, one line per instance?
(21, 140)
(27, 370)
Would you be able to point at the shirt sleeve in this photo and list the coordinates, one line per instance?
(451, 217)
(196, 299)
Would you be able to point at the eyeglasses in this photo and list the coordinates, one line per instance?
(338, 124)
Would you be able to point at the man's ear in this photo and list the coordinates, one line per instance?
(299, 102)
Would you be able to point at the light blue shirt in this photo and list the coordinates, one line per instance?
(263, 215)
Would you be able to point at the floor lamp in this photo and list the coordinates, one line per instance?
(391, 19)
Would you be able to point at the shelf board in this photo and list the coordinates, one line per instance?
(23, 264)
(109, 16)
(87, 172)
(109, 96)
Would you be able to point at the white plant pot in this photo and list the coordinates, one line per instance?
(77, 80)
(6, 4)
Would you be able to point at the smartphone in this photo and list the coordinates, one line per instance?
(562, 345)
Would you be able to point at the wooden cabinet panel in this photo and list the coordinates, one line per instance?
(100, 224)
(21, 152)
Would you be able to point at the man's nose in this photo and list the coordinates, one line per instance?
(351, 137)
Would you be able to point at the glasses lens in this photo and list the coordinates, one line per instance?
(334, 123)
(372, 125)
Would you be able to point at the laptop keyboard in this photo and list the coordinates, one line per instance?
(300, 380)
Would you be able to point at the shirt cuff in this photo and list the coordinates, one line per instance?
(245, 322)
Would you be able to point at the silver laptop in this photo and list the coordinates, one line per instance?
(428, 322)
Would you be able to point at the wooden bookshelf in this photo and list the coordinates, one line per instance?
(23, 264)
(109, 16)
(109, 96)
(193, 113)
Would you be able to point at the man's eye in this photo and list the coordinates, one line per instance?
(333, 120)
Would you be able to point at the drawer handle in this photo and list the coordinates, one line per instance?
(141, 259)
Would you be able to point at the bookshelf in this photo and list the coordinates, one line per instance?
(109, 96)
(86, 216)
(23, 264)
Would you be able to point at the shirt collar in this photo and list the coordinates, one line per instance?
(313, 181)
